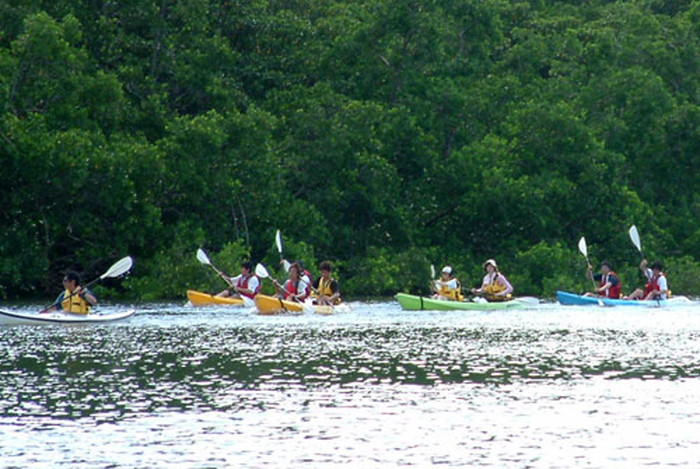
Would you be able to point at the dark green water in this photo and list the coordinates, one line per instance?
(379, 387)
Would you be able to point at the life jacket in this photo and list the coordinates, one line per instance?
(290, 289)
(653, 284)
(243, 283)
(324, 288)
(492, 289)
(451, 293)
(614, 291)
(74, 304)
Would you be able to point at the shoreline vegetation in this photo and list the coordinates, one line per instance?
(384, 136)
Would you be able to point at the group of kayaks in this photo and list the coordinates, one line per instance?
(269, 305)
(264, 304)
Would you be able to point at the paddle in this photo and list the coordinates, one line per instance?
(262, 272)
(118, 268)
(634, 236)
(584, 250)
(278, 242)
(204, 259)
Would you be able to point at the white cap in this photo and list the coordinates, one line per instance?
(492, 262)
(447, 269)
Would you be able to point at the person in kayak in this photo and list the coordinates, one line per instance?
(495, 286)
(608, 281)
(294, 288)
(326, 290)
(447, 287)
(245, 284)
(657, 284)
(75, 298)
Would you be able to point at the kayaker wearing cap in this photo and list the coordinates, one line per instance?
(657, 285)
(608, 281)
(448, 287)
(495, 286)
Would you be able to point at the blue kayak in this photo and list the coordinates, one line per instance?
(566, 298)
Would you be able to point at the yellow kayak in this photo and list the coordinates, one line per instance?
(269, 305)
(202, 299)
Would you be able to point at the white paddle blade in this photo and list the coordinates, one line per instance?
(634, 236)
(119, 267)
(261, 271)
(202, 257)
(286, 265)
(582, 247)
(278, 241)
(432, 271)
(247, 302)
(529, 301)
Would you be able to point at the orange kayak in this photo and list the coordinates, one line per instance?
(269, 305)
(202, 299)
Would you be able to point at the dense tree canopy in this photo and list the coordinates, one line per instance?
(382, 135)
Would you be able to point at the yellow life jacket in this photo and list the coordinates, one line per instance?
(451, 293)
(324, 288)
(492, 289)
(74, 304)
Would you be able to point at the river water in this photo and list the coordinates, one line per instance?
(548, 387)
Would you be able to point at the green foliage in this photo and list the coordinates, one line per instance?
(384, 273)
(384, 136)
(683, 275)
(543, 269)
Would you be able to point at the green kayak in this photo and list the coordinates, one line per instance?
(416, 303)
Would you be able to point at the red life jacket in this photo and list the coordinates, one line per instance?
(290, 289)
(615, 290)
(243, 283)
(653, 284)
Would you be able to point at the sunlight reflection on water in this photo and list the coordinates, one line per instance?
(548, 387)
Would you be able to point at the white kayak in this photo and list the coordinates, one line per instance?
(57, 317)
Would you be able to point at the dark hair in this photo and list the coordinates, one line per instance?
(297, 266)
(606, 263)
(72, 275)
(247, 265)
(325, 265)
(657, 265)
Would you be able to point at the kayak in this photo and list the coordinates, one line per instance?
(416, 303)
(566, 298)
(269, 305)
(198, 298)
(57, 317)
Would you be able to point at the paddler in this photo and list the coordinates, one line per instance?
(495, 286)
(326, 290)
(245, 284)
(657, 284)
(448, 287)
(608, 281)
(294, 288)
(75, 298)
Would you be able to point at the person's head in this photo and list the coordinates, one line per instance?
(490, 266)
(246, 267)
(71, 280)
(295, 270)
(446, 271)
(605, 267)
(325, 268)
(657, 266)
